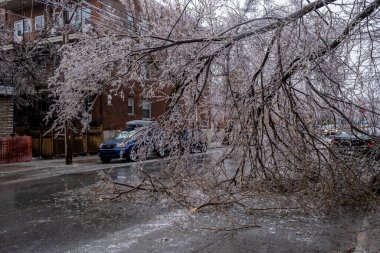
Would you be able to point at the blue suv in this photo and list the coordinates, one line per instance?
(126, 143)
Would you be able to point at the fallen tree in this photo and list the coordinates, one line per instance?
(270, 73)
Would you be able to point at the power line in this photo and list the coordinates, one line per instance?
(103, 12)
(95, 20)
(125, 13)
(109, 13)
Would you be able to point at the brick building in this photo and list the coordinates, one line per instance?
(39, 24)
(6, 110)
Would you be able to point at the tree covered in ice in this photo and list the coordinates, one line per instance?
(266, 72)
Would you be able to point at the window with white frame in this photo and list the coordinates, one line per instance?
(79, 18)
(131, 105)
(18, 28)
(39, 23)
(146, 70)
(109, 100)
(86, 15)
(75, 19)
(27, 25)
(58, 18)
(57, 21)
(146, 109)
(130, 21)
(86, 18)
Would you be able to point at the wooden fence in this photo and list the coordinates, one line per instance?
(47, 143)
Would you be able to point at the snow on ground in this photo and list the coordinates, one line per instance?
(124, 239)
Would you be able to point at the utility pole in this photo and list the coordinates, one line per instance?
(68, 135)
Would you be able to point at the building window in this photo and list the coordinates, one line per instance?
(58, 18)
(80, 18)
(109, 100)
(18, 30)
(75, 20)
(39, 23)
(146, 70)
(57, 22)
(86, 19)
(27, 25)
(131, 106)
(146, 109)
(130, 22)
(86, 15)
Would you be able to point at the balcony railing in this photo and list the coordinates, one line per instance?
(51, 35)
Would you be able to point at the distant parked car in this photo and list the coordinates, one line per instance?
(127, 142)
(355, 143)
(195, 140)
(329, 130)
(174, 141)
(143, 137)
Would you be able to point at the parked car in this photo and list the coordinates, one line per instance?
(329, 130)
(127, 142)
(174, 141)
(355, 143)
(143, 137)
(194, 140)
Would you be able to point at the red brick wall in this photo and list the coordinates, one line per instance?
(114, 117)
(26, 13)
(111, 117)
(39, 9)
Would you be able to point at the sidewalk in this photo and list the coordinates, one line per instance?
(40, 163)
(57, 166)
(45, 168)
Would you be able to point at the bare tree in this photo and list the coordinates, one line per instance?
(267, 70)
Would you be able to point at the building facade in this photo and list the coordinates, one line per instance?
(38, 26)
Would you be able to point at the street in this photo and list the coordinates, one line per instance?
(53, 212)
(189, 126)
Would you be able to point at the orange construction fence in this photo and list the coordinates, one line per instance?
(15, 149)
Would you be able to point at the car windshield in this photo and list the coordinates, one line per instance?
(124, 134)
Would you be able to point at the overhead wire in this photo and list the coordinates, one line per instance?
(94, 18)
(125, 13)
(140, 24)
(99, 1)
(98, 20)
(30, 49)
(102, 12)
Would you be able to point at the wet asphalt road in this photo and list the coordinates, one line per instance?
(49, 214)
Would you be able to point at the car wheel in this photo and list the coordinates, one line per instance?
(105, 159)
(132, 155)
(204, 148)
